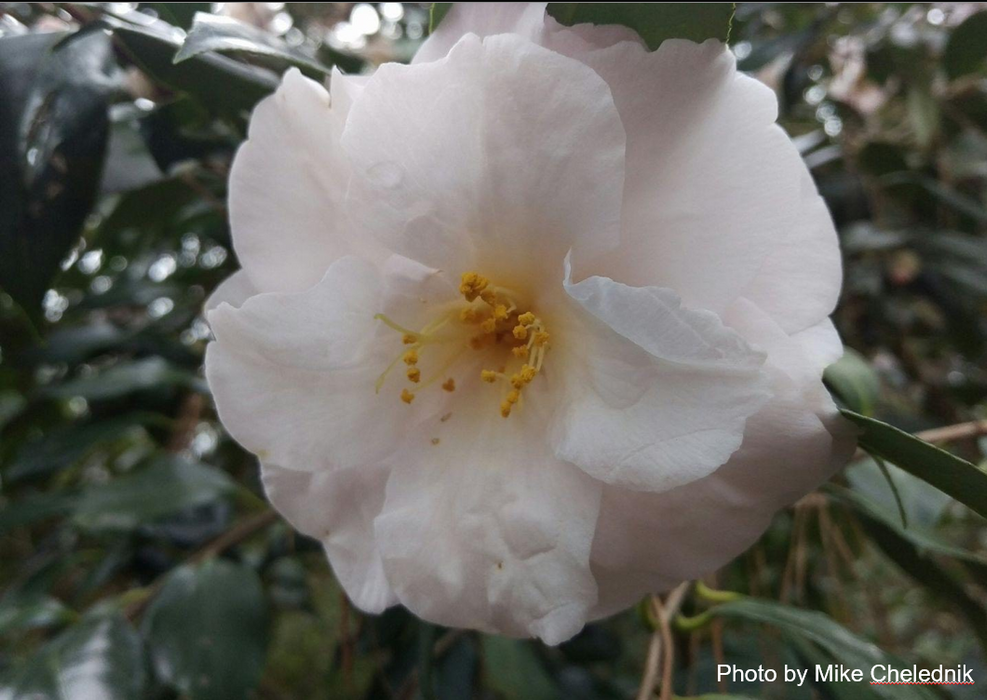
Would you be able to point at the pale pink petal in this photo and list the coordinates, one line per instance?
(482, 158)
(484, 528)
(338, 508)
(483, 19)
(293, 375)
(286, 186)
(800, 280)
(713, 185)
(650, 542)
(657, 394)
(234, 290)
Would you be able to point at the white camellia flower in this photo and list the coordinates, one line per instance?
(531, 327)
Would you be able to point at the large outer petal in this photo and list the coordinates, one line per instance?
(650, 542)
(293, 374)
(487, 529)
(713, 185)
(287, 183)
(501, 153)
(799, 283)
(717, 202)
(657, 394)
(338, 508)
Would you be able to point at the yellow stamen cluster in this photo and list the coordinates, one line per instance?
(473, 285)
(492, 312)
(504, 324)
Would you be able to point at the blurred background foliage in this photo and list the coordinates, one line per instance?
(138, 558)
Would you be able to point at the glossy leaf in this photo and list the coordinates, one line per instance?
(53, 133)
(226, 35)
(207, 630)
(654, 21)
(101, 657)
(219, 83)
(167, 485)
(948, 473)
(437, 13)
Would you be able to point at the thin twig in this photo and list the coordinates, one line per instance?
(668, 648)
(662, 635)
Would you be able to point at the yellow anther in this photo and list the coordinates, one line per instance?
(513, 396)
(528, 373)
(500, 312)
(517, 382)
(520, 351)
(505, 409)
(472, 285)
(449, 384)
(410, 357)
(408, 339)
(414, 374)
(489, 325)
(526, 319)
(470, 315)
(488, 375)
(407, 396)
(520, 332)
(541, 338)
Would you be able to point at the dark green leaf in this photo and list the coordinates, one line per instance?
(854, 381)
(967, 47)
(207, 630)
(845, 647)
(101, 657)
(226, 35)
(167, 485)
(914, 555)
(28, 510)
(219, 83)
(921, 538)
(122, 379)
(66, 445)
(53, 133)
(655, 22)
(948, 473)
(922, 503)
(514, 670)
(437, 13)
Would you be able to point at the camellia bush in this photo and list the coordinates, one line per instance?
(494, 350)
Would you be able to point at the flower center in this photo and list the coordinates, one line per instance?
(489, 321)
